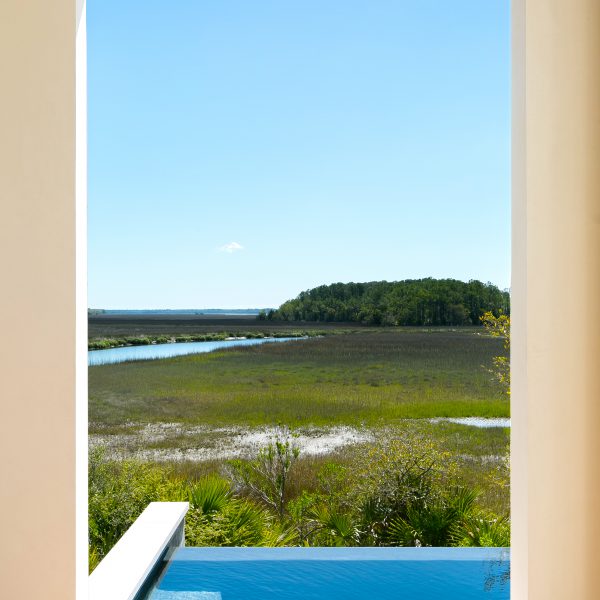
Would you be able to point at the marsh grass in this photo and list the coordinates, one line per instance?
(388, 381)
(373, 378)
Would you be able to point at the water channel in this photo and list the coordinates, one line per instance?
(154, 351)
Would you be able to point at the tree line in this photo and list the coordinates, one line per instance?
(409, 302)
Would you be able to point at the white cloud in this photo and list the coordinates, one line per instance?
(231, 247)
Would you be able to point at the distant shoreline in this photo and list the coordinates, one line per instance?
(115, 330)
(107, 331)
(178, 311)
(110, 343)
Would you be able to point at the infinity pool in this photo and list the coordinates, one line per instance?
(332, 573)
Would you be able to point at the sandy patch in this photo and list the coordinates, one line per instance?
(202, 443)
(474, 421)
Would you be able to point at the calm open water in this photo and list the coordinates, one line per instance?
(332, 573)
(154, 351)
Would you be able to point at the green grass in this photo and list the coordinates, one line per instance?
(378, 378)
(371, 377)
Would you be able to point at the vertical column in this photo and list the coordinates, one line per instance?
(519, 463)
(37, 299)
(81, 325)
(556, 229)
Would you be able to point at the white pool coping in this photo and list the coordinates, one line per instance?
(125, 568)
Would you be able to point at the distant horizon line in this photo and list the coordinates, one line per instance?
(190, 310)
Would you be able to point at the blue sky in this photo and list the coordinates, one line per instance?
(243, 151)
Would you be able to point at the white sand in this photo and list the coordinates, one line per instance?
(206, 443)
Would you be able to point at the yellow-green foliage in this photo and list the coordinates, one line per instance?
(118, 493)
(500, 327)
(406, 491)
(405, 468)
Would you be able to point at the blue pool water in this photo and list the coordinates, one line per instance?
(154, 351)
(332, 573)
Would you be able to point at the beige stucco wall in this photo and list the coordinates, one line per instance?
(556, 284)
(37, 299)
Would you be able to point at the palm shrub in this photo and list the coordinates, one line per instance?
(210, 494)
(218, 518)
(407, 494)
(325, 517)
(482, 529)
(334, 527)
(401, 493)
(396, 483)
(434, 523)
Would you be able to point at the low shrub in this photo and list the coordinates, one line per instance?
(118, 493)
(405, 492)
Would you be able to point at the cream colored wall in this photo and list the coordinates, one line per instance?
(556, 283)
(37, 295)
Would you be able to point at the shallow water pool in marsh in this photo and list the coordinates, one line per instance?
(483, 422)
(332, 573)
(155, 351)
